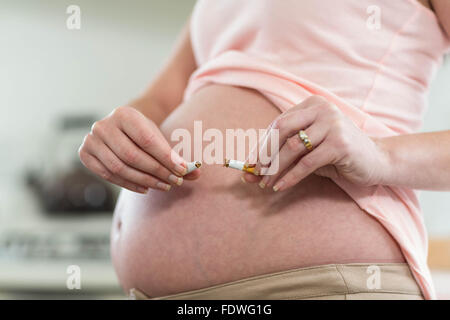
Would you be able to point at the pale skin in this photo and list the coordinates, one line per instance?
(128, 149)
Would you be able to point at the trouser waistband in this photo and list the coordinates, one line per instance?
(333, 281)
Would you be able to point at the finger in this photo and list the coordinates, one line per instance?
(264, 141)
(300, 116)
(292, 149)
(193, 175)
(293, 122)
(134, 157)
(263, 144)
(287, 126)
(118, 168)
(93, 164)
(250, 178)
(308, 164)
(147, 136)
(253, 154)
(312, 101)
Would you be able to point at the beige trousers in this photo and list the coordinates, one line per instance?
(332, 282)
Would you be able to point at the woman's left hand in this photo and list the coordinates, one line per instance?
(340, 148)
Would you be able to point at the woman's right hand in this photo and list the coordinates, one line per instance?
(128, 149)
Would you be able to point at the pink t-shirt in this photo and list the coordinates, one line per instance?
(373, 59)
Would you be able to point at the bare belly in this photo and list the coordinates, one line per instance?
(217, 229)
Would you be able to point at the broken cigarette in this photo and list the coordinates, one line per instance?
(191, 166)
(241, 165)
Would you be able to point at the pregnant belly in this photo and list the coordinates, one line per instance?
(218, 229)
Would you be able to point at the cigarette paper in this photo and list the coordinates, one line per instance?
(240, 165)
(191, 166)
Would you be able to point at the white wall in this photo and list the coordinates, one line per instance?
(47, 70)
(436, 205)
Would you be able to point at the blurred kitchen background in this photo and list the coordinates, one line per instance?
(54, 82)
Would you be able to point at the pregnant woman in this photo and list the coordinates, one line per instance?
(344, 83)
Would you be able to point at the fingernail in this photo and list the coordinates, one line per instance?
(278, 186)
(180, 169)
(180, 163)
(264, 182)
(142, 190)
(175, 179)
(163, 186)
(243, 180)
